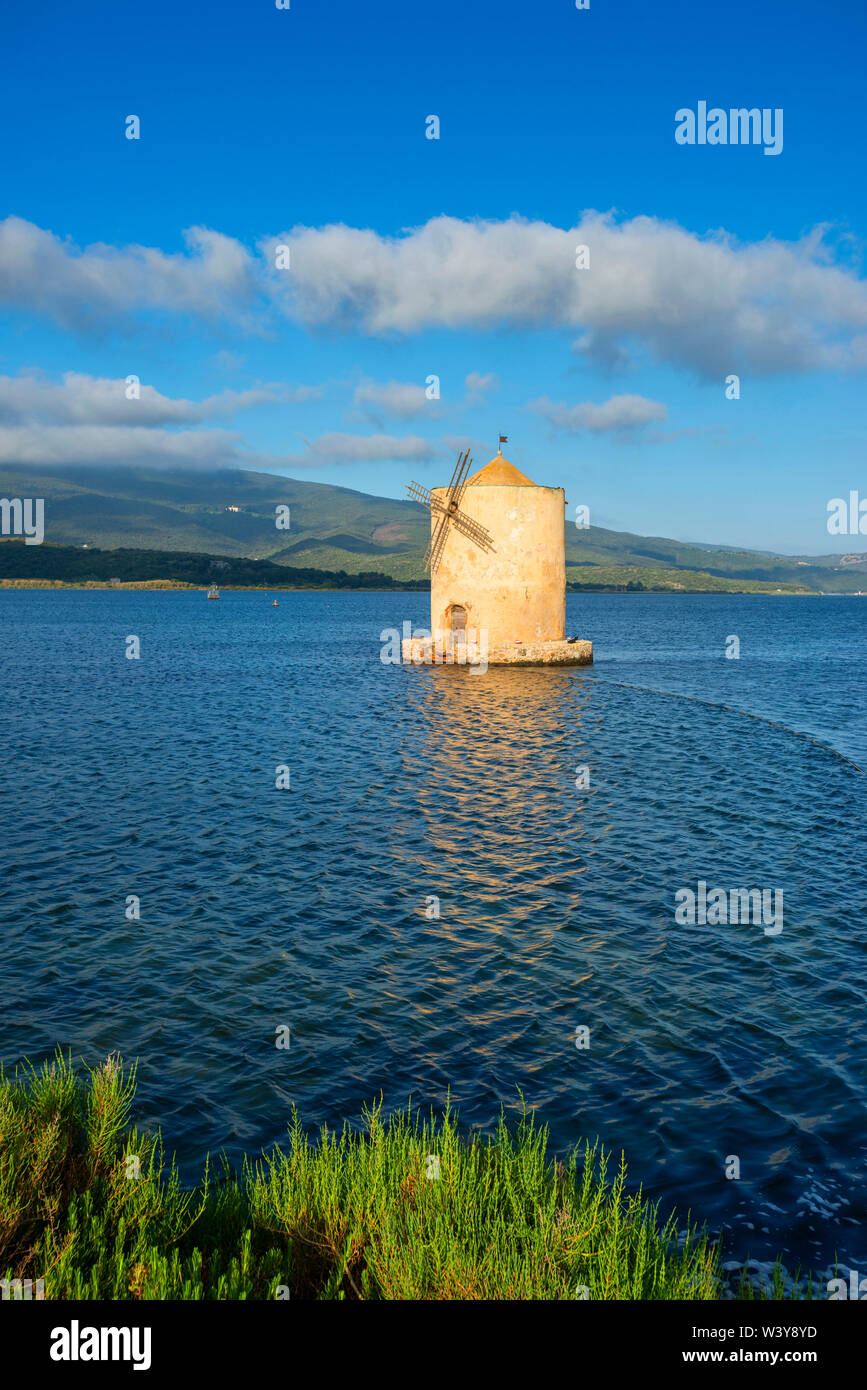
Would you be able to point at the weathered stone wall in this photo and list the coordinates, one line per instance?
(517, 591)
(426, 652)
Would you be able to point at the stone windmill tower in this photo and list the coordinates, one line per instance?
(498, 570)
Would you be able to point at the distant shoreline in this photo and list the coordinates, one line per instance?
(168, 586)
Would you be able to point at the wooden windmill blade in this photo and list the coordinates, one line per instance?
(460, 471)
(436, 542)
(454, 491)
(424, 496)
(419, 493)
(450, 512)
(474, 530)
(459, 479)
(449, 509)
(463, 471)
(435, 549)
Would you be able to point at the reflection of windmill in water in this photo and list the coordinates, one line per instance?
(448, 513)
(489, 798)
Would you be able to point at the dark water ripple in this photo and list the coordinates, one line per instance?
(307, 907)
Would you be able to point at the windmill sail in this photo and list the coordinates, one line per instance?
(449, 513)
(474, 530)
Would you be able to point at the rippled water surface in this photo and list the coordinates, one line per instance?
(306, 906)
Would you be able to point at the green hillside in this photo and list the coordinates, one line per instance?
(160, 510)
(664, 579)
(822, 573)
(336, 529)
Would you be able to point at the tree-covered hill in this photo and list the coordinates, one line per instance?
(233, 515)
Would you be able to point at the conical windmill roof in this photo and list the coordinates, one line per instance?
(499, 471)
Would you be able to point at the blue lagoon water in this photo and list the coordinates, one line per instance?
(305, 907)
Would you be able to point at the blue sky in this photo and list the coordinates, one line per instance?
(454, 258)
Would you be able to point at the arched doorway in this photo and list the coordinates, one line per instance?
(458, 623)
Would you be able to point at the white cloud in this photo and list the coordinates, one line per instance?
(82, 399)
(89, 420)
(478, 386)
(50, 446)
(406, 400)
(618, 414)
(227, 360)
(710, 303)
(401, 398)
(354, 448)
(103, 285)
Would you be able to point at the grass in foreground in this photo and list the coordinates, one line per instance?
(90, 1205)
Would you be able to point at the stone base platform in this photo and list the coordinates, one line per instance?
(422, 651)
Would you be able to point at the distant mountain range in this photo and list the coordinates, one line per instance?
(233, 514)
